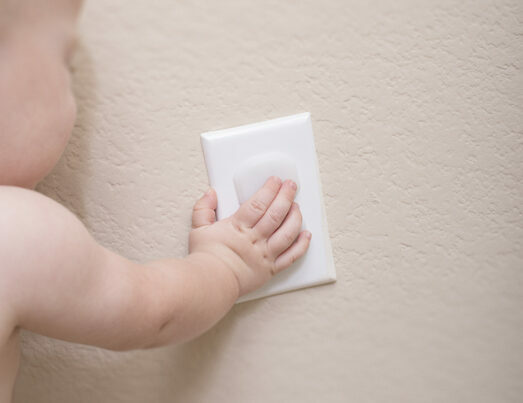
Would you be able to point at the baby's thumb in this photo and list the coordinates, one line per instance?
(203, 212)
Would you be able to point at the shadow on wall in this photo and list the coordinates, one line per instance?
(66, 181)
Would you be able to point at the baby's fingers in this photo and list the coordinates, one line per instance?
(287, 233)
(292, 254)
(253, 209)
(204, 210)
(277, 211)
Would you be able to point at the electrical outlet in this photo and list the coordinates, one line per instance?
(241, 159)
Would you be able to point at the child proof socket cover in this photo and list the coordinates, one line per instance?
(241, 159)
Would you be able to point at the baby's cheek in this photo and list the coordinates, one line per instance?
(58, 120)
(39, 123)
(60, 128)
(65, 120)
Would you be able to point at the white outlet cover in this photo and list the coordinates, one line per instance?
(241, 159)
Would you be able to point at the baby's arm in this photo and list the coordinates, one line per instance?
(59, 282)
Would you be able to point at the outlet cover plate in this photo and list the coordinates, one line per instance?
(228, 151)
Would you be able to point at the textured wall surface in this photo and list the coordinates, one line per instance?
(417, 113)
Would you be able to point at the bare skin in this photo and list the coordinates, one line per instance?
(54, 278)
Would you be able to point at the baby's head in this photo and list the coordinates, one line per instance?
(37, 108)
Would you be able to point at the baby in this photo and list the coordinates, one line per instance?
(54, 278)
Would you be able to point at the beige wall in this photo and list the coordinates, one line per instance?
(417, 113)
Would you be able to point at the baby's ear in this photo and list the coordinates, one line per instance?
(204, 210)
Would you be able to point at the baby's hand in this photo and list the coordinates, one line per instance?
(261, 239)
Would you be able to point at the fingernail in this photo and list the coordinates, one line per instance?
(293, 185)
(308, 235)
(275, 179)
(208, 192)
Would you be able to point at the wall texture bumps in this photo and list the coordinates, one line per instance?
(417, 112)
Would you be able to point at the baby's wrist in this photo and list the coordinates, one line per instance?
(214, 264)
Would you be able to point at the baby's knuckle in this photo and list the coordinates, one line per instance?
(266, 252)
(236, 226)
(288, 237)
(257, 206)
(294, 257)
(276, 215)
(251, 236)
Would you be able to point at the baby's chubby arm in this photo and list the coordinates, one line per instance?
(57, 281)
